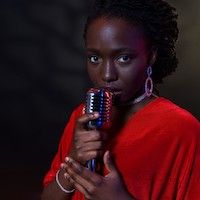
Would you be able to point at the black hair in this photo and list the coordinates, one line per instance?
(159, 22)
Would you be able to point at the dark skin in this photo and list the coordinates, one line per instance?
(118, 56)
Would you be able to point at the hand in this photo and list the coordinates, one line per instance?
(93, 185)
(87, 144)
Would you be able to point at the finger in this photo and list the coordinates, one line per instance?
(81, 189)
(109, 164)
(93, 146)
(88, 155)
(92, 135)
(76, 179)
(63, 166)
(85, 119)
(83, 136)
(82, 175)
(77, 186)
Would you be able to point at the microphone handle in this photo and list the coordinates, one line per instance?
(92, 164)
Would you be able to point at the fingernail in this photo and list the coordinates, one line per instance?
(62, 165)
(77, 167)
(68, 159)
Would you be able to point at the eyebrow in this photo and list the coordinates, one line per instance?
(117, 50)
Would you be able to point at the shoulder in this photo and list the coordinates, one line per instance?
(174, 119)
(171, 112)
(163, 118)
(76, 112)
(164, 109)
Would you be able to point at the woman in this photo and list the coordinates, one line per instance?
(152, 150)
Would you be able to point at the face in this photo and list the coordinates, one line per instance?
(117, 57)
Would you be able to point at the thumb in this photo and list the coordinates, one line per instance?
(108, 162)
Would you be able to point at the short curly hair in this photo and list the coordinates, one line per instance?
(159, 22)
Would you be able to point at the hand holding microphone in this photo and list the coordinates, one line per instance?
(89, 142)
(98, 100)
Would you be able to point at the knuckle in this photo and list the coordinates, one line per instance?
(95, 136)
(92, 189)
(79, 120)
(76, 139)
(72, 176)
(91, 155)
(87, 148)
(88, 115)
(95, 154)
(80, 155)
(78, 145)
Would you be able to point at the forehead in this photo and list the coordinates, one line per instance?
(114, 31)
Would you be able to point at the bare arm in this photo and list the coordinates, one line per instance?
(53, 191)
(86, 145)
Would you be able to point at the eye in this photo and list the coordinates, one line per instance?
(94, 59)
(124, 59)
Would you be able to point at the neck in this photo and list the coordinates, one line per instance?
(138, 99)
(131, 107)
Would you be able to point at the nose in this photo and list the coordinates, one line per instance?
(109, 72)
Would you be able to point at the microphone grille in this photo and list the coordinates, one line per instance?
(99, 100)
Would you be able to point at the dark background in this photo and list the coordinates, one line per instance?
(42, 78)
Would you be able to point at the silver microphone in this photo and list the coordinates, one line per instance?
(99, 100)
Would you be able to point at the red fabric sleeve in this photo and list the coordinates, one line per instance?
(190, 183)
(64, 146)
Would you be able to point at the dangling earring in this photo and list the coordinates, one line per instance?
(148, 89)
(149, 82)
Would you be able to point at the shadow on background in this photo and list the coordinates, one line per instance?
(43, 78)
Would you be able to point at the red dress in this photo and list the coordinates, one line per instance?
(157, 152)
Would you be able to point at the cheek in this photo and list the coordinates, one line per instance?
(136, 70)
(133, 81)
(93, 74)
(134, 78)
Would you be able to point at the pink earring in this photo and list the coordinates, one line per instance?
(149, 82)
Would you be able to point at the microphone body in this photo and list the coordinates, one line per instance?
(98, 100)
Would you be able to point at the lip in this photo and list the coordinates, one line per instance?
(117, 93)
(113, 90)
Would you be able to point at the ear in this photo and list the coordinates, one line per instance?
(153, 56)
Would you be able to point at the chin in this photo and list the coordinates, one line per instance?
(119, 100)
(122, 100)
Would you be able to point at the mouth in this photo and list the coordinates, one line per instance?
(115, 91)
(116, 94)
